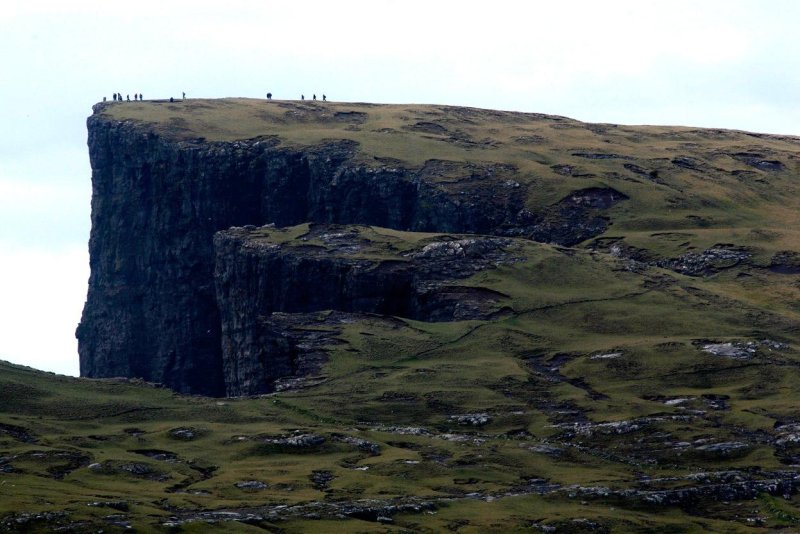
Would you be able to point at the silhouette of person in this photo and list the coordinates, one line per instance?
(184, 96)
(315, 96)
(115, 97)
(136, 96)
(129, 98)
(269, 96)
(104, 99)
(171, 99)
(302, 97)
(141, 97)
(324, 98)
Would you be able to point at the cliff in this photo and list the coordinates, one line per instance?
(167, 176)
(555, 320)
(356, 270)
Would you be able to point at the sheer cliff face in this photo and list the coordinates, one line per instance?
(151, 310)
(332, 267)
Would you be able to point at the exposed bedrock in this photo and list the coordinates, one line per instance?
(151, 309)
(256, 278)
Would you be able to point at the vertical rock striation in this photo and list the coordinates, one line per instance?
(256, 277)
(151, 309)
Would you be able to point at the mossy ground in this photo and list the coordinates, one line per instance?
(588, 340)
(537, 372)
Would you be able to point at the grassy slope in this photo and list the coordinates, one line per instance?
(568, 306)
(391, 373)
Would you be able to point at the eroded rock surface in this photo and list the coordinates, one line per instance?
(151, 309)
(268, 292)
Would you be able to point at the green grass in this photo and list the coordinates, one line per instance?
(535, 369)
(389, 373)
(669, 202)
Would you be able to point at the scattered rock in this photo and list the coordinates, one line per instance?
(731, 350)
(185, 433)
(296, 441)
(17, 432)
(361, 444)
(785, 262)
(563, 169)
(157, 454)
(726, 449)
(320, 479)
(716, 402)
(543, 448)
(289, 383)
(31, 522)
(529, 139)
(637, 170)
(687, 163)
(677, 401)
(140, 470)
(599, 155)
(428, 127)
(367, 510)
(136, 469)
(613, 427)
(473, 248)
(57, 463)
(471, 419)
(755, 159)
(606, 356)
(742, 350)
(404, 430)
(122, 506)
(709, 261)
(252, 485)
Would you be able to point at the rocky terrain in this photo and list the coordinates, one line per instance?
(258, 275)
(420, 319)
(167, 176)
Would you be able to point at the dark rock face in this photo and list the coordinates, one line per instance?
(151, 309)
(256, 278)
(576, 217)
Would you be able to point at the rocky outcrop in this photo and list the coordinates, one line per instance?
(710, 261)
(151, 309)
(257, 276)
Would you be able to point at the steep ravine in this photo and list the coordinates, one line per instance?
(151, 310)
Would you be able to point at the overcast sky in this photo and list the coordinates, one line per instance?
(730, 64)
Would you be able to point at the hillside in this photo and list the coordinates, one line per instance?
(168, 176)
(424, 319)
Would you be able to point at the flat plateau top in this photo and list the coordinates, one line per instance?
(710, 183)
(414, 133)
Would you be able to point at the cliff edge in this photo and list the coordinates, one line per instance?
(167, 177)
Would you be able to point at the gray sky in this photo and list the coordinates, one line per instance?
(730, 64)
